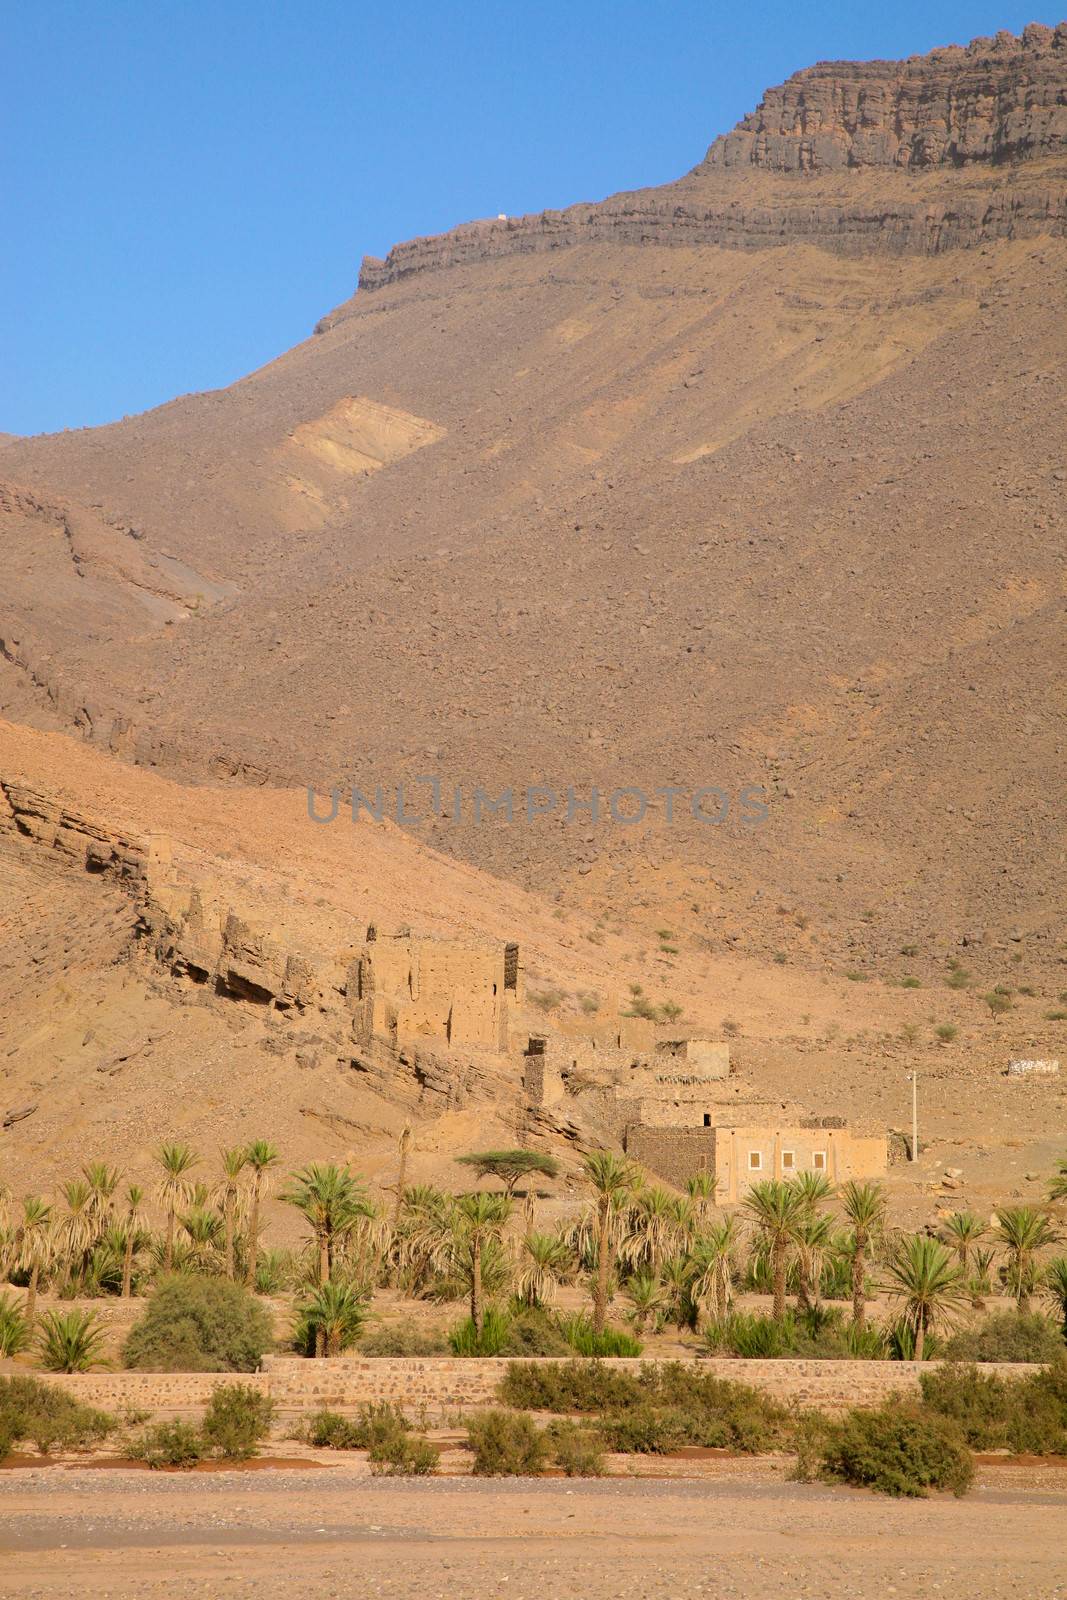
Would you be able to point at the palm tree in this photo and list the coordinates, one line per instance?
(814, 1188)
(543, 1262)
(658, 1224)
(713, 1263)
(332, 1200)
(333, 1317)
(645, 1293)
(227, 1194)
(925, 1278)
(261, 1156)
(103, 1181)
(701, 1188)
(1057, 1187)
(134, 1201)
(864, 1205)
(202, 1229)
(1056, 1284)
(34, 1244)
(174, 1190)
(77, 1231)
(612, 1180)
(814, 1241)
(1022, 1232)
(961, 1232)
(477, 1219)
(403, 1147)
(777, 1209)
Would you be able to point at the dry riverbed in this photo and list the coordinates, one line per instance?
(737, 1529)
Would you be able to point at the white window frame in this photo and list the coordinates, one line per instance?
(755, 1161)
(789, 1161)
(818, 1160)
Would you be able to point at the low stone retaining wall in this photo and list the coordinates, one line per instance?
(443, 1384)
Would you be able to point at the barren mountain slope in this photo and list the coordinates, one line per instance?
(106, 1033)
(600, 499)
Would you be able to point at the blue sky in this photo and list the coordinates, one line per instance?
(189, 186)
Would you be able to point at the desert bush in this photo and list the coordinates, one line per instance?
(506, 1444)
(580, 1335)
(402, 1339)
(238, 1417)
(328, 1430)
(14, 1334)
(403, 1456)
(646, 1429)
(195, 1324)
(577, 1448)
(819, 1334)
(1027, 1414)
(899, 1449)
(583, 1386)
(168, 1444)
(49, 1419)
(69, 1341)
(1008, 1336)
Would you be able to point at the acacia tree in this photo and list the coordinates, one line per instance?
(925, 1278)
(174, 1190)
(778, 1210)
(612, 1180)
(510, 1165)
(864, 1205)
(1022, 1232)
(261, 1156)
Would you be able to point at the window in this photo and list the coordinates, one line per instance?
(818, 1160)
(789, 1160)
(755, 1161)
(707, 1119)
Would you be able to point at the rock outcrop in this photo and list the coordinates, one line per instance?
(996, 109)
(997, 100)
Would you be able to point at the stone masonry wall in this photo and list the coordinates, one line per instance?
(446, 1384)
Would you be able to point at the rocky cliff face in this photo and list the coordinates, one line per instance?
(997, 100)
(993, 108)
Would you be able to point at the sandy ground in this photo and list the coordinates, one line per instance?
(68, 1532)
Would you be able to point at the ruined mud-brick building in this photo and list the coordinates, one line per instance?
(404, 988)
(739, 1155)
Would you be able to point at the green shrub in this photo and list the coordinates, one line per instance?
(1027, 1414)
(69, 1341)
(169, 1444)
(577, 1330)
(465, 1340)
(1008, 1336)
(195, 1324)
(567, 1386)
(403, 1456)
(238, 1417)
(506, 1444)
(49, 1419)
(376, 1425)
(819, 1334)
(534, 1332)
(577, 1448)
(14, 1334)
(328, 1430)
(899, 1449)
(402, 1339)
(646, 1429)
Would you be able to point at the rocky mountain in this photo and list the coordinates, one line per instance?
(752, 482)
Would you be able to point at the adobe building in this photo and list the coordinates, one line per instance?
(404, 988)
(740, 1155)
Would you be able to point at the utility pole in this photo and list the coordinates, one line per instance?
(914, 1076)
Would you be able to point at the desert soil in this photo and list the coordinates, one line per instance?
(68, 1532)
